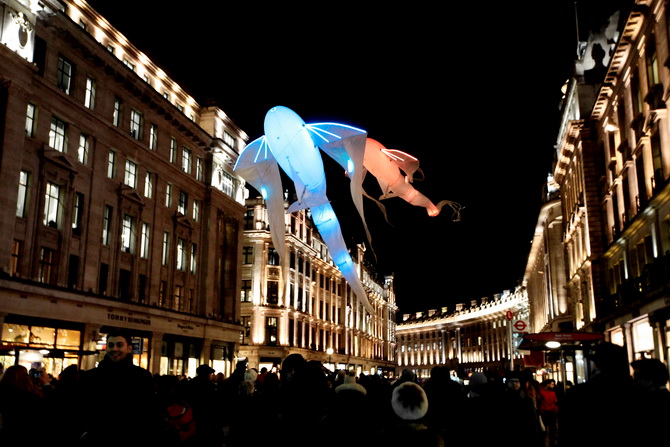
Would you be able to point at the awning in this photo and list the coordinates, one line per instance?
(567, 340)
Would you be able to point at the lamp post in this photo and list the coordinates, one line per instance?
(330, 351)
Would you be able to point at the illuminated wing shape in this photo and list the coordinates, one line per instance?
(386, 165)
(345, 145)
(258, 166)
(404, 161)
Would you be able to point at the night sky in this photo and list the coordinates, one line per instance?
(479, 108)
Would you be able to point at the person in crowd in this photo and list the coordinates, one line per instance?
(531, 387)
(591, 412)
(261, 377)
(651, 401)
(349, 415)
(116, 399)
(518, 410)
(251, 375)
(446, 399)
(208, 407)
(410, 406)
(304, 397)
(23, 409)
(481, 409)
(407, 375)
(180, 428)
(62, 405)
(548, 406)
(244, 424)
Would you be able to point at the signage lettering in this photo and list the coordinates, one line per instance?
(128, 319)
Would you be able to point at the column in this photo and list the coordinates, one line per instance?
(156, 351)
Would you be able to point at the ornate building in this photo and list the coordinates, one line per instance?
(310, 309)
(121, 206)
(478, 337)
(629, 128)
(611, 171)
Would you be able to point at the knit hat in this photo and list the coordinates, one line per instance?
(350, 384)
(409, 401)
(251, 375)
(477, 378)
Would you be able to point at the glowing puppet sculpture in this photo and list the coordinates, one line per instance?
(388, 165)
(294, 145)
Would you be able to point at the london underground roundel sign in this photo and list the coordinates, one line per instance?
(520, 325)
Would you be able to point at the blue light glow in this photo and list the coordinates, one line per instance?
(294, 146)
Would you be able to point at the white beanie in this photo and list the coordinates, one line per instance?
(250, 375)
(350, 384)
(409, 401)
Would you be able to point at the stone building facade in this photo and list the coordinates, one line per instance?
(120, 204)
(311, 310)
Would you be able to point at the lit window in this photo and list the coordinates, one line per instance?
(194, 257)
(57, 135)
(118, 112)
(128, 234)
(229, 140)
(52, 205)
(148, 185)
(198, 169)
(168, 195)
(153, 137)
(186, 160)
(183, 202)
(22, 200)
(181, 254)
(130, 178)
(78, 212)
(111, 164)
(196, 210)
(106, 224)
(135, 124)
(144, 240)
(82, 150)
(246, 291)
(64, 79)
(226, 182)
(173, 150)
(89, 98)
(31, 116)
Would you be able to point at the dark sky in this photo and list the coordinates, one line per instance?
(478, 106)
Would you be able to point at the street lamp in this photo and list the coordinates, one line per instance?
(330, 351)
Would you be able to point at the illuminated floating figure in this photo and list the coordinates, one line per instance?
(294, 146)
(388, 166)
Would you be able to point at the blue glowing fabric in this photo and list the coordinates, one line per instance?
(294, 146)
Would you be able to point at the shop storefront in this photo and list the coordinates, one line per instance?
(41, 343)
(180, 356)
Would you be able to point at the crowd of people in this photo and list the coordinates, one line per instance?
(121, 404)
